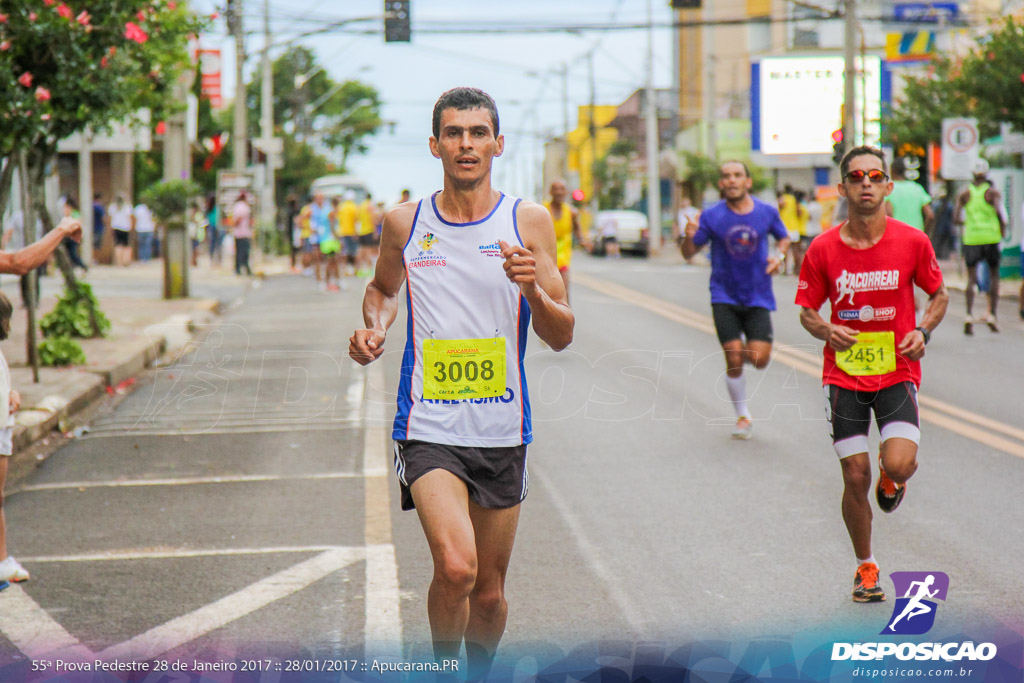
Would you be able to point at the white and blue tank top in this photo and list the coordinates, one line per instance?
(462, 309)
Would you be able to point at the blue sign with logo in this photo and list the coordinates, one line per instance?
(925, 12)
(914, 612)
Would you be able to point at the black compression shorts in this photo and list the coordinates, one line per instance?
(849, 413)
(733, 322)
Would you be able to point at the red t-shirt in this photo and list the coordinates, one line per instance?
(870, 290)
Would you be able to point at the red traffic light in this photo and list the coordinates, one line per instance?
(578, 195)
(837, 136)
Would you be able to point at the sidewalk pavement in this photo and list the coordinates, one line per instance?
(144, 328)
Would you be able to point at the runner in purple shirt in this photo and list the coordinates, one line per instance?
(741, 278)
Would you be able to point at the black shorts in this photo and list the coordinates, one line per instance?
(733, 322)
(367, 240)
(495, 477)
(849, 414)
(121, 238)
(976, 253)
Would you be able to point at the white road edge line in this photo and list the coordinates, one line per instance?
(169, 553)
(383, 623)
(34, 632)
(186, 481)
(198, 623)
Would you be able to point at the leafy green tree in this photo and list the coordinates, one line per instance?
(986, 84)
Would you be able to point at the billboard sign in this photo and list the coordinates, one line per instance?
(800, 102)
(209, 77)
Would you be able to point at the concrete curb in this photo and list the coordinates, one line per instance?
(117, 364)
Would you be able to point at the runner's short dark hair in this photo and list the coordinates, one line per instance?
(462, 99)
(858, 152)
(746, 169)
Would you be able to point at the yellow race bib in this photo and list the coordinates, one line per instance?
(457, 369)
(873, 354)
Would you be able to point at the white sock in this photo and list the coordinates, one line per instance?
(870, 559)
(738, 393)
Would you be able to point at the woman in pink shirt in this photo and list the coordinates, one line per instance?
(241, 216)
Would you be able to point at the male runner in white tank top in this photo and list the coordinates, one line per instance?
(478, 264)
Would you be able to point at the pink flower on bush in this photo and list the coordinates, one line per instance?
(45, 117)
(32, 16)
(134, 32)
(48, 3)
(105, 62)
(25, 79)
(64, 11)
(42, 94)
(83, 18)
(140, 15)
(172, 5)
(5, 46)
(3, 18)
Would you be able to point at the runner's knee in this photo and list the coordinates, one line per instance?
(488, 601)
(857, 479)
(456, 572)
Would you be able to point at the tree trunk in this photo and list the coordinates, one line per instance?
(29, 279)
(38, 174)
(6, 181)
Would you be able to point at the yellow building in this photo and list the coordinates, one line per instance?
(583, 150)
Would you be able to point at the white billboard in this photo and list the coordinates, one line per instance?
(802, 102)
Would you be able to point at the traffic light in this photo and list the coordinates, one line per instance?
(578, 195)
(396, 21)
(837, 147)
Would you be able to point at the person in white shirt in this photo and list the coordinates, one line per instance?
(120, 213)
(144, 230)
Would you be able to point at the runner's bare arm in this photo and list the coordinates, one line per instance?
(577, 231)
(34, 255)
(912, 345)
(839, 337)
(533, 268)
(773, 263)
(688, 248)
(380, 303)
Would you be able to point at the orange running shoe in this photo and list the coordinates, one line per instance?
(865, 584)
(888, 493)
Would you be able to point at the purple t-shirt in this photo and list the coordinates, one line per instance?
(739, 252)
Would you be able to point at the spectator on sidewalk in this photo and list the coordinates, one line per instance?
(213, 229)
(70, 210)
(145, 227)
(99, 214)
(120, 213)
(241, 218)
(10, 401)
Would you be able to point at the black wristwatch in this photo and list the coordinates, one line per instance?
(925, 333)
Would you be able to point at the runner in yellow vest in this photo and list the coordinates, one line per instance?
(983, 228)
(348, 217)
(567, 225)
(366, 228)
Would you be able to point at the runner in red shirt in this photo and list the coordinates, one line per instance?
(867, 268)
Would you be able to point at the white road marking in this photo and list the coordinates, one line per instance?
(165, 553)
(198, 623)
(33, 631)
(593, 556)
(187, 481)
(383, 625)
(250, 428)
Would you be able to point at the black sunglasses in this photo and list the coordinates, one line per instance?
(874, 174)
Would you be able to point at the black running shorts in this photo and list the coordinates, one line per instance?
(849, 413)
(976, 253)
(122, 238)
(733, 322)
(496, 477)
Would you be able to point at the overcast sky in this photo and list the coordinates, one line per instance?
(410, 77)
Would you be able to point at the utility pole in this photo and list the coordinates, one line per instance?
(710, 89)
(593, 137)
(850, 75)
(565, 120)
(241, 142)
(85, 194)
(176, 249)
(267, 202)
(653, 159)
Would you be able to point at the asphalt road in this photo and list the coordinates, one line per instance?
(239, 502)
